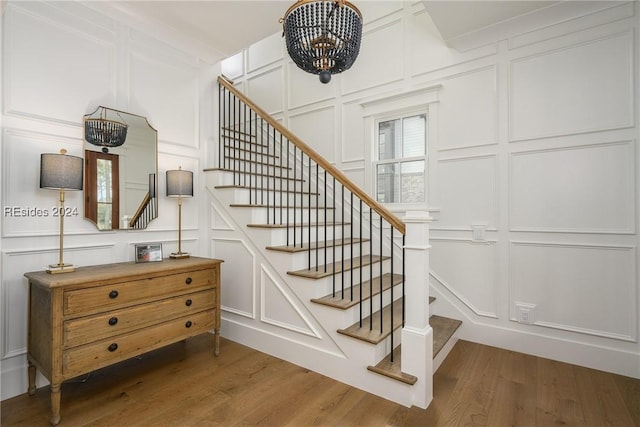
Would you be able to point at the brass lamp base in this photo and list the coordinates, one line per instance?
(61, 268)
(180, 255)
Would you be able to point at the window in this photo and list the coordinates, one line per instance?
(401, 144)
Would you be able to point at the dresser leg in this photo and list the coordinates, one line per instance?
(32, 379)
(55, 404)
(216, 345)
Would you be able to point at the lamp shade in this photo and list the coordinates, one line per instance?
(179, 183)
(59, 171)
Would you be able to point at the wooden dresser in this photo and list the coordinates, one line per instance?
(103, 314)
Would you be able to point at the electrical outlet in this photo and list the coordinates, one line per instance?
(526, 313)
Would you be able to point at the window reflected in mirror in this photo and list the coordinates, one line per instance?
(102, 189)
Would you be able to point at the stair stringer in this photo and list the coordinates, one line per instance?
(329, 353)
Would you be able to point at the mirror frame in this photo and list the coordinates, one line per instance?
(147, 207)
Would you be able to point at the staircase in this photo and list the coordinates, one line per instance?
(337, 239)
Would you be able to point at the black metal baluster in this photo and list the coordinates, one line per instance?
(380, 262)
(391, 320)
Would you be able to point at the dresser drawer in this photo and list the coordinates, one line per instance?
(87, 329)
(103, 298)
(101, 353)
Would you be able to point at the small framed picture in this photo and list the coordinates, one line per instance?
(149, 252)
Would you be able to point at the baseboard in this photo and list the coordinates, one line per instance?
(535, 342)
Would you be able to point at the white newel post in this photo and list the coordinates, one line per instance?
(417, 335)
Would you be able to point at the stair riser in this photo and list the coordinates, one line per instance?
(278, 236)
(276, 198)
(320, 258)
(219, 178)
(277, 215)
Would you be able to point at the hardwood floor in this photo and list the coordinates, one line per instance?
(185, 385)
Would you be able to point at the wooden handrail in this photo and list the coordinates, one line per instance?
(321, 161)
(136, 216)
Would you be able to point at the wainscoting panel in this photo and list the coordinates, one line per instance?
(238, 272)
(233, 66)
(546, 88)
(172, 110)
(469, 271)
(588, 189)
(353, 139)
(387, 39)
(468, 110)
(317, 128)
(578, 288)
(29, 210)
(279, 308)
(15, 290)
(467, 192)
(266, 51)
(80, 66)
(304, 88)
(266, 90)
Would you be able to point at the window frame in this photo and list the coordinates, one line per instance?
(375, 160)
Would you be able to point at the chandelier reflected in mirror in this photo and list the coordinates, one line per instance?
(103, 131)
(323, 36)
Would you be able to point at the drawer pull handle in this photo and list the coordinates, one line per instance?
(188, 281)
(113, 294)
(113, 347)
(113, 321)
(188, 303)
(188, 324)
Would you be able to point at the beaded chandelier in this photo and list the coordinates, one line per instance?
(323, 36)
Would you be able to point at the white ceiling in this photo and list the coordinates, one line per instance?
(225, 27)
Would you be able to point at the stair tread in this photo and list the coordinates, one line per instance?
(253, 173)
(373, 334)
(392, 369)
(443, 329)
(315, 245)
(338, 301)
(337, 267)
(297, 224)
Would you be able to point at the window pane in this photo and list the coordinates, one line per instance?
(389, 143)
(414, 130)
(412, 178)
(388, 183)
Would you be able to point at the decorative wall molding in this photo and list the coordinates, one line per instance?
(586, 22)
(469, 97)
(266, 316)
(595, 284)
(266, 89)
(32, 94)
(250, 284)
(480, 191)
(610, 106)
(489, 283)
(574, 207)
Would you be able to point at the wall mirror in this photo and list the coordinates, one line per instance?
(121, 168)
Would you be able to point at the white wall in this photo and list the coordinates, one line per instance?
(60, 61)
(533, 144)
